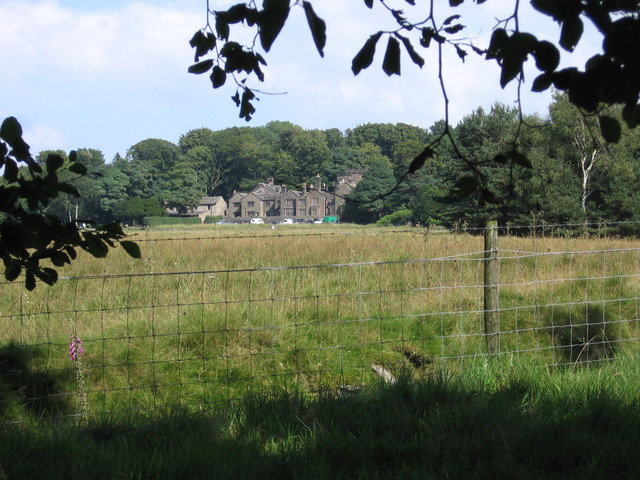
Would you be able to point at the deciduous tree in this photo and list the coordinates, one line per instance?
(610, 76)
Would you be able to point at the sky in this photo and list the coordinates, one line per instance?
(109, 74)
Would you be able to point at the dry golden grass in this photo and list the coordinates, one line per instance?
(208, 312)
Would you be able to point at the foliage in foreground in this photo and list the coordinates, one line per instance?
(28, 236)
(502, 420)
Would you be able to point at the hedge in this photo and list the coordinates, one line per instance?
(157, 221)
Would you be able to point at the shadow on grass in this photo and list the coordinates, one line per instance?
(435, 428)
(34, 391)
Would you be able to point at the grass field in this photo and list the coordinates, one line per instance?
(211, 314)
(492, 419)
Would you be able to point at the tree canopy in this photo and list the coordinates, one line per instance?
(611, 76)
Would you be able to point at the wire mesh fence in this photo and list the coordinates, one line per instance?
(192, 339)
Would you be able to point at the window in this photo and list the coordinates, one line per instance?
(288, 212)
(302, 211)
(315, 201)
(236, 204)
(251, 204)
(289, 202)
(302, 202)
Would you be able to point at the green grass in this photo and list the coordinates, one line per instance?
(154, 339)
(499, 419)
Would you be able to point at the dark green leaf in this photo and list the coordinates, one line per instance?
(236, 14)
(272, 19)
(519, 158)
(246, 107)
(113, 228)
(94, 245)
(427, 35)
(78, 168)
(391, 62)
(610, 128)
(418, 162)
(203, 43)
(542, 82)
(417, 59)
(73, 156)
(465, 186)
(197, 39)
(454, 29)
(54, 162)
(218, 77)
(132, 248)
(631, 114)
(11, 170)
(365, 56)
(572, 29)
(317, 26)
(564, 78)
(12, 271)
(222, 28)
(499, 39)
(201, 67)
(450, 19)
(11, 130)
(511, 68)
(455, 3)
(368, 3)
(547, 56)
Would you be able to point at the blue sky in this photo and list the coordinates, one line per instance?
(108, 74)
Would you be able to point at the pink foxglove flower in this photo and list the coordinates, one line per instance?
(75, 348)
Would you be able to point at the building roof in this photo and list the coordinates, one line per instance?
(210, 200)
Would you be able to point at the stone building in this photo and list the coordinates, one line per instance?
(276, 202)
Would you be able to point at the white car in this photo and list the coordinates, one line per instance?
(287, 221)
(256, 221)
(317, 220)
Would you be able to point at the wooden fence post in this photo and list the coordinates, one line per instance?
(491, 281)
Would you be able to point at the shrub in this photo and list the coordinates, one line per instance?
(397, 218)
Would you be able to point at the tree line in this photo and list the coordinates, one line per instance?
(568, 174)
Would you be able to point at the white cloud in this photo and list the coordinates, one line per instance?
(108, 74)
(44, 137)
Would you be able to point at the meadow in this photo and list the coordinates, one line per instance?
(210, 314)
(217, 327)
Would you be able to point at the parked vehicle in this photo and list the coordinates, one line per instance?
(287, 221)
(330, 220)
(317, 220)
(256, 221)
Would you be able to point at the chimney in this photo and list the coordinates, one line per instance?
(304, 187)
(270, 181)
(318, 182)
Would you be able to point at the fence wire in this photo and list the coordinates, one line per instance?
(193, 339)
